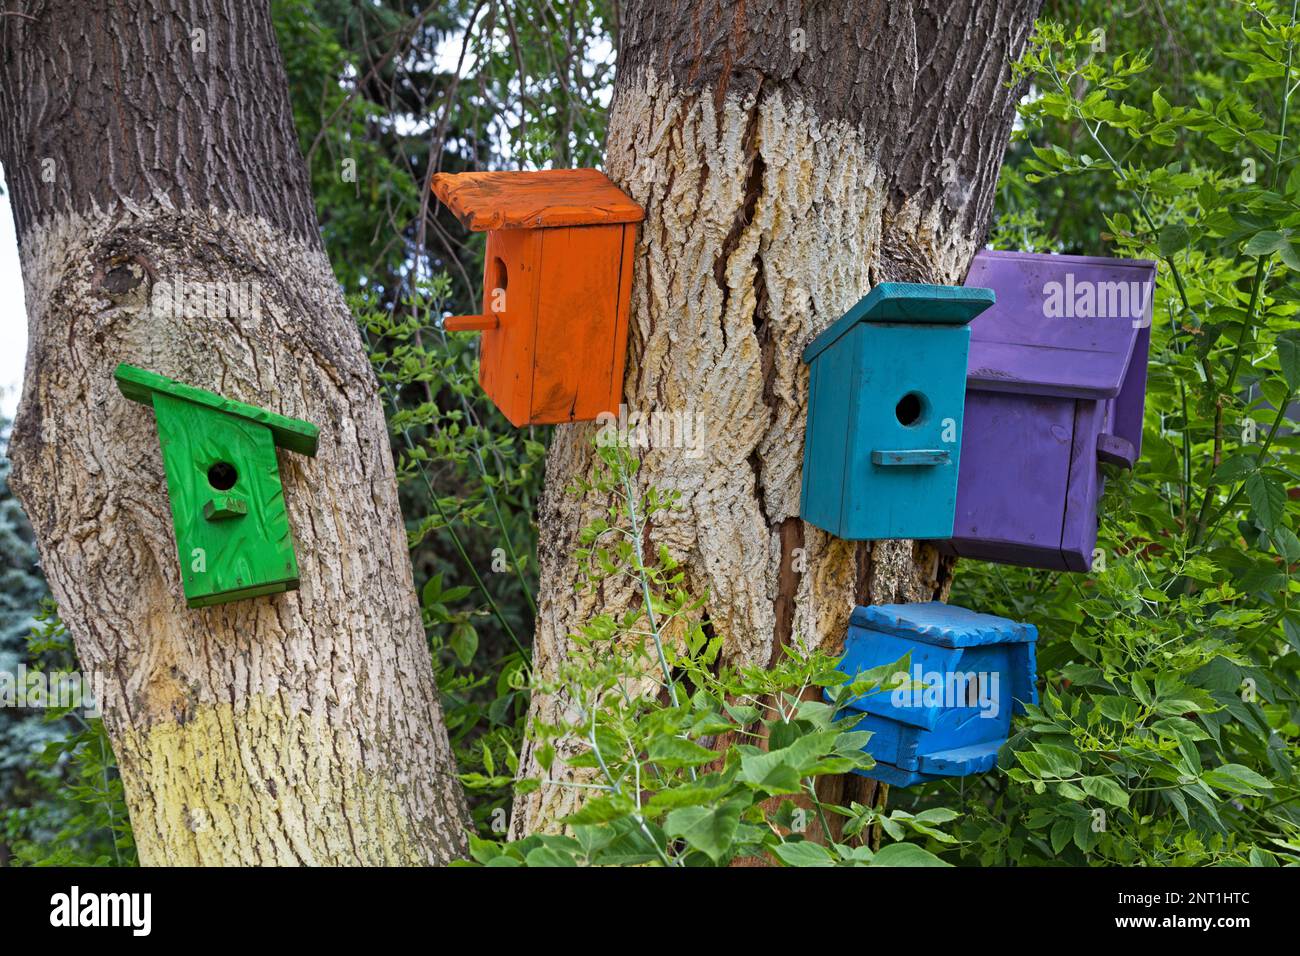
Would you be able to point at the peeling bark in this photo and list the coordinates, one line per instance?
(298, 728)
(790, 156)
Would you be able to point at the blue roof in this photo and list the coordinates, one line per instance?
(908, 303)
(945, 625)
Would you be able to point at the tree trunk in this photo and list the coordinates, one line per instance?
(790, 156)
(150, 143)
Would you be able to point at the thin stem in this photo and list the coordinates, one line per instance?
(446, 523)
(1261, 271)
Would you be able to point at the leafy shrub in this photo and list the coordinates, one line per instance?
(1168, 728)
(667, 744)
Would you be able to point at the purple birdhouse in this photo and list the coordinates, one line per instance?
(1055, 386)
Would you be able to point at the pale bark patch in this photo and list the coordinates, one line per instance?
(346, 653)
(195, 791)
(764, 224)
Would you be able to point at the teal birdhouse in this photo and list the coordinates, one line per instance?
(969, 673)
(887, 388)
(232, 528)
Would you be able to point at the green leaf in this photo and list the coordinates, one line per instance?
(1070, 791)
(1122, 709)
(432, 592)
(601, 809)
(546, 857)
(1235, 778)
(780, 771)
(1175, 727)
(937, 815)
(1062, 834)
(771, 772)
(1267, 498)
(672, 752)
(1264, 243)
(704, 792)
(803, 853)
(483, 850)
(1234, 468)
(1287, 544)
(1173, 238)
(708, 830)
(906, 854)
(1104, 788)
(464, 642)
(1159, 104)
(1288, 356)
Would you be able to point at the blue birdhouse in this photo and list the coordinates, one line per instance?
(969, 673)
(886, 393)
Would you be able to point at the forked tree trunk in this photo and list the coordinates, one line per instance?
(151, 143)
(790, 156)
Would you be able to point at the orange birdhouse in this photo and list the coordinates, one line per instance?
(557, 280)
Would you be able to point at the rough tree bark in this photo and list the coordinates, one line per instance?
(151, 142)
(790, 156)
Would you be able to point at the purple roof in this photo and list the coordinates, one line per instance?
(1062, 325)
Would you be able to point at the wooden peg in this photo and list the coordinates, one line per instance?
(471, 323)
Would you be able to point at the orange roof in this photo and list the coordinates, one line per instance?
(529, 200)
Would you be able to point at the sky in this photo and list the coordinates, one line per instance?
(13, 319)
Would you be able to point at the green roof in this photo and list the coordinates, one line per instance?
(292, 434)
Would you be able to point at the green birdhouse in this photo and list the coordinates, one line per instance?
(232, 529)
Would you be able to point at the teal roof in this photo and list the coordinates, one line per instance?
(911, 303)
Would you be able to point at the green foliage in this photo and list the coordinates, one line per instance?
(1167, 733)
(480, 477)
(60, 799)
(667, 744)
(71, 809)
(22, 733)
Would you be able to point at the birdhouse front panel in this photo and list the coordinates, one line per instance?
(233, 537)
(886, 394)
(556, 288)
(967, 675)
(1055, 387)
(1028, 446)
(580, 358)
(232, 529)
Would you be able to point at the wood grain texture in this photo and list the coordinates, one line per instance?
(529, 200)
(913, 303)
(249, 553)
(1020, 346)
(297, 728)
(1016, 454)
(556, 352)
(575, 366)
(507, 353)
(925, 81)
(140, 385)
